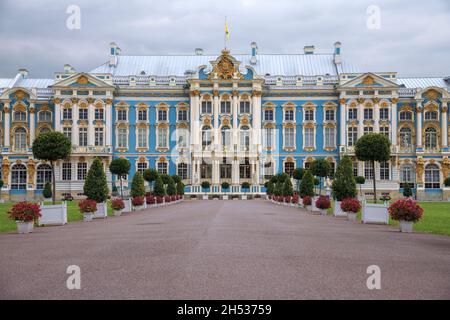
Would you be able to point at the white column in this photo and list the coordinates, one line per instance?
(256, 173)
(235, 116)
(90, 129)
(216, 117)
(419, 125)
(108, 113)
(7, 111)
(235, 172)
(57, 114)
(256, 105)
(195, 100)
(75, 122)
(360, 119)
(343, 123)
(32, 123)
(444, 125)
(394, 121)
(376, 117)
(215, 171)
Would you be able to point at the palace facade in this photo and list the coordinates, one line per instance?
(227, 117)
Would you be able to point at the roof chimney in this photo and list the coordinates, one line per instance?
(68, 68)
(114, 52)
(24, 73)
(337, 53)
(198, 51)
(309, 49)
(254, 47)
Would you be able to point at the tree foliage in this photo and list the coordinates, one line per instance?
(47, 192)
(278, 190)
(320, 168)
(120, 167)
(180, 188)
(287, 188)
(307, 185)
(150, 175)
(269, 188)
(95, 186)
(171, 187)
(137, 186)
(165, 178)
(176, 178)
(407, 192)
(159, 187)
(298, 173)
(344, 185)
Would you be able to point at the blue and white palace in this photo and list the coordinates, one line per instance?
(225, 117)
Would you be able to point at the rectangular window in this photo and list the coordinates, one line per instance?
(368, 130)
(98, 137)
(82, 137)
(162, 138)
(206, 107)
(182, 115)
(385, 131)
(309, 138)
(225, 171)
(83, 114)
(245, 169)
(329, 115)
(269, 137)
(244, 107)
(183, 138)
(122, 138)
(352, 136)
(289, 137)
(67, 114)
(289, 168)
(309, 115)
(182, 170)
(368, 114)
(67, 171)
(289, 115)
(121, 115)
(162, 115)
(142, 137)
(355, 169)
(141, 167)
(330, 134)
(368, 170)
(142, 115)
(81, 171)
(68, 132)
(268, 115)
(384, 171)
(352, 114)
(384, 114)
(99, 114)
(162, 167)
(225, 107)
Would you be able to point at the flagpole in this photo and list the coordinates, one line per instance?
(225, 34)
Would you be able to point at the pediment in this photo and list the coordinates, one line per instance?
(82, 80)
(369, 80)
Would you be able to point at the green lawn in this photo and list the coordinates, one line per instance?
(73, 214)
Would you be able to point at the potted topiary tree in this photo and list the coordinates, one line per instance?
(180, 189)
(407, 191)
(47, 193)
(350, 206)
(96, 188)
(150, 176)
(159, 190)
(117, 205)
(120, 167)
(138, 192)
(25, 214)
(307, 186)
(225, 187)
(298, 175)
(88, 207)
(323, 203)
(205, 186)
(360, 180)
(171, 189)
(1, 186)
(407, 212)
(245, 186)
(343, 185)
(288, 191)
(320, 168)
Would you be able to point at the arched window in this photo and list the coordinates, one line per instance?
(182, 170)
(431, 115)
(19, 177)
(206, 136)
(430, 138)
(20, 138)
(20, 116)
(407, 175)
(45, 116)
(432, 176)
(44, 130)
(405, 137)
(289, 168)
(268, 170)
(43, 175)
(405, 115)
(226, 136)
(245, 138)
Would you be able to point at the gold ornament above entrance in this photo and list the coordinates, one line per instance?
(225, 67)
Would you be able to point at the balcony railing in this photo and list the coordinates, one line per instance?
(91, 149)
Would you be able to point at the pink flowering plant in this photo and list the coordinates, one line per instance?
(405, 210)
(117, 204)
(350, 205)
(323, 202)
(307, 201)
(87, 206)
(137, 201)
(25, 212)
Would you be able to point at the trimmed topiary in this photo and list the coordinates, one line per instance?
(447, 182)
(407, 192)
(96, 187)
(47, 193)
(180, 188)
(270, 188)
(137, 186)
(159, 190)
(320, 168)
(171, 187)
(344, 185)
(120, 167)
(307, 185)
(225, 186)
(287, 188)
(245, 186)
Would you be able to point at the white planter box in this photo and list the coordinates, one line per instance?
(138, 208)
(337, 211)
(117, 213)
(87, 217)
(205, 197)
(323, 212)
(313, 205)
(351, 216)
(25, 227)
(53, 214)
(102, 211)
(224, 197)
(128, 206)
(406, 226)
(244, 197)
(375, 213)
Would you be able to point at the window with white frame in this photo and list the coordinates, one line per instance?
(352, 114)
(330, 138)
(407, 176)
(244, 107)
(355, 169)
(142, 137)
(82, 137)
(269, 137)
(405, 115)
(122, 138)
(368, 114)
(43, 176)
(162, 167)
(141, 167)
(431, 115)
(206, 136)
(384, 114)
(20, 116)
(385, 131)
(66, 171)
(206, 107)
(81, 171)
(122, 115)
(405, 137)
(289, 167)
(368, 130)
(309, 115)
(98, 137)
(226, 136)
(330, 115)
(182, 115)
(309, 138)
(268, 115)
(268, 170)
(432, 177)
(369, 173)
(83, 113)
(245, 138)
(18, 177)
(20, 138)
(67, 114)
(142, 115)
(289, 137)
(225, 107)
(99, 114)
(162, 115)
(162, 138)
(352, 136)
(289, 115)
(45, 116)
(431, 138)
(183, 138)
(384, 171)
(182, 170)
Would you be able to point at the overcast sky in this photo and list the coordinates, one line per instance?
(413, 37)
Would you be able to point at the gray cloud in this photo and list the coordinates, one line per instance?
(413, 39)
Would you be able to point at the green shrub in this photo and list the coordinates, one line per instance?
(176, 178)
(180, 188)
(159, 190)
(120, 167)
(287, 188)
(447, 182)
(165, 178)
(407, 192)
(225, 185)
(137, 186)
(270, 188)
(344, 185)
(245, 185)
(47, 193)
(205, 185)
(307, 185)
(171, 187)
(96, 187)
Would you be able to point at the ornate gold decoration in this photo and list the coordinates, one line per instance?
(32, 110)
(216, 93)
(256, 93)
(394, 100)
(74, 100)
(162, 159)
(376, 100)
(419, 170)
(6, 109)
(82, 80)
(342, 101)
(245, 121)
(445, 165)
(90, 100)
(5, 169)
(444, 109)
(225, 122)
(368, 81)
(19, 95)
(419, 109)
(57, 100)
(194, 93)
(109, 101)
(360, 100)
(431, 94)
(207, 121)
(142, 160)
(225, 68)
(31, 170)
(406, 107)
(235, 93)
